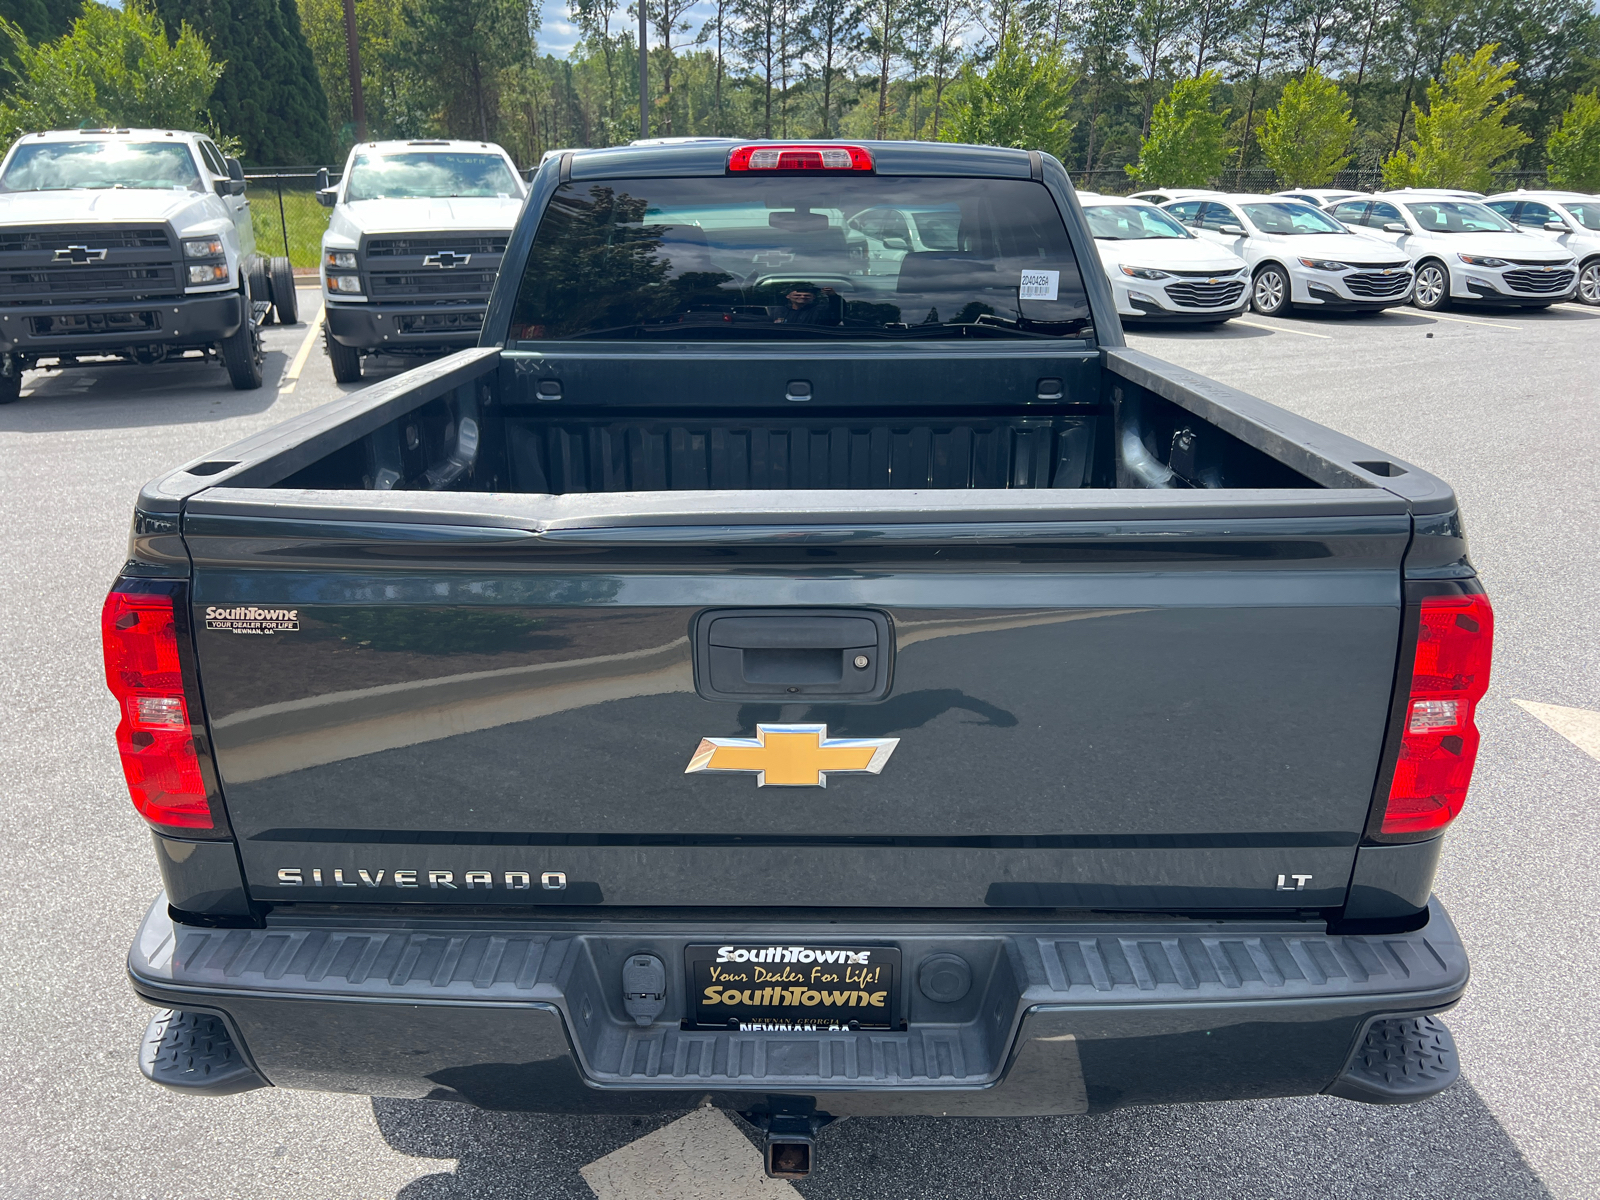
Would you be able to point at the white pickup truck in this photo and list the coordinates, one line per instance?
(130, 245)
(413, 247)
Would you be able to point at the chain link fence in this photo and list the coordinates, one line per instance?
(287, 218)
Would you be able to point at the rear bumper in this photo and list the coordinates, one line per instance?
(405, 326)
(189, 321)
(1060, 1018)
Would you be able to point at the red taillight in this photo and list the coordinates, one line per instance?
(1439, 743)
(140, 637)
(800, 158)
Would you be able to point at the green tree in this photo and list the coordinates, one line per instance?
(1185, 146)
(472, 52)
(1306, 137)
(270, 95)
(113, 67)
(1463, 136)
(1574, 148)
(1021, 101)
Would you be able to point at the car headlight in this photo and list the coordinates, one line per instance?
(340, 260)
(207, 247)
(200, 273)
(1323, 264)
(1145, 273)
(348, 285)
(1482, 260)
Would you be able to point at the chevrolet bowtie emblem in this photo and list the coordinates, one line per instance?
(79, 255)
(793, 755)
(447, 258)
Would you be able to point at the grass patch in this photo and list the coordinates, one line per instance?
(306, 220)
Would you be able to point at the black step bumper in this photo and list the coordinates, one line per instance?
(189, 321)
(405, 327)
(1060, 1018)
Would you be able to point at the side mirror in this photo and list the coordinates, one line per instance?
(1231, 230)
(1395, 227)
(322, 179)
(328, 197)
(892, 243)
(1557, 226)
(224, 187)
(235, 170)
(236, 187)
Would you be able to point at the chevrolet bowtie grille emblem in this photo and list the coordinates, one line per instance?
(447, 258)
(793, 755)
(79, 255)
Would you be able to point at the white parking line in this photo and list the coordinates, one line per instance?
(1433, 316)
(698, 1157)
(292, 375)
(1282, 329)
(1579, 726)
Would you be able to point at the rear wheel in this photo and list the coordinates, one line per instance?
(1433, 287)
(260, 286)
(1269, 294)
(1589, 282)
(346, 361)
(241, 354)
(283, 294)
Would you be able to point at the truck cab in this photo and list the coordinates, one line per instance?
(413, 246)
(130, 245)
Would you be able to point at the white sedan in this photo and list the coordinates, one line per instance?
(1570, 219)
(1163, 195)
(1299, 255)
(1158, 269)
(1463, 252)
(1318, 197)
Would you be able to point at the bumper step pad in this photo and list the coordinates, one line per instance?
(1401, 1060)
(193, 1052)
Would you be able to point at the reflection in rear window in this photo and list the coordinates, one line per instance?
(798, 256)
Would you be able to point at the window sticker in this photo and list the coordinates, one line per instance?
(1040, 285)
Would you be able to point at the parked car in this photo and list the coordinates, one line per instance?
(1570, 219)
(1461, 251)
(1163, 195)
(1111, 717)
(1452, 193)
(412, 247)
(130, 245)
(1299, 255)
(1318, 197)
(1158, 269)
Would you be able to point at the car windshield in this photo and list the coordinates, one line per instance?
(54, 166)
(1584, 212)
(1131, 222)
(1287, 216)
(1457, 216)
(860, 256)
(428, 175)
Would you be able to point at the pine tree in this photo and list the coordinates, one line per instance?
(269, 96)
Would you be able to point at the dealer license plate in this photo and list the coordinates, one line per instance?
(794, 986)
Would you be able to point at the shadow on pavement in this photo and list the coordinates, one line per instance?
(126, 396)
(1229, 330)
(1450, 1146)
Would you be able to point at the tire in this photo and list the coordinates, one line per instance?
(11, 386)
(346, 361)
(260, 285)
(1589, 283)
(241, 354)
(284, 301)
(1269, 291)
(1432, 289)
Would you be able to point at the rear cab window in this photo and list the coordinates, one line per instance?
(868, 257)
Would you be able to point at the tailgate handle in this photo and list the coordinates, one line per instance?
(788, 655)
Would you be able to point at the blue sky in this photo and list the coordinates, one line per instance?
(557, 34)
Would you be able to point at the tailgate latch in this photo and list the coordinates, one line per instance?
(644, 987)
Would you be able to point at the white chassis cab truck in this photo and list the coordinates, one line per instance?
(413, 247)
(130, 245)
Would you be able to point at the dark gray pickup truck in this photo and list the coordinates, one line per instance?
(806, 667)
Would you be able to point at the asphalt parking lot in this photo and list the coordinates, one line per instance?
(1504, 406)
